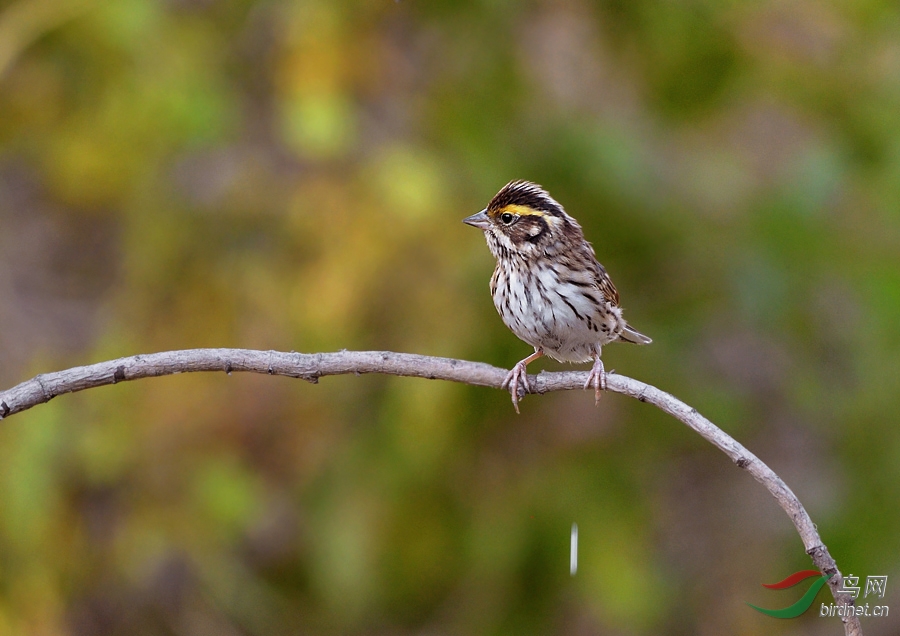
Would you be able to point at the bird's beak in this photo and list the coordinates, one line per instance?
(479, 220)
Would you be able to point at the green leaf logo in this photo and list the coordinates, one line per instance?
(793, 611)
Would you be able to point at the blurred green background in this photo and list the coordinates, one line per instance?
(292, 175)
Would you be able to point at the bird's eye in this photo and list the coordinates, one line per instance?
(506, 218)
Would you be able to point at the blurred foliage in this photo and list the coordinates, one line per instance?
(292, 175)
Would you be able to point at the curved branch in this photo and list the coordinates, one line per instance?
(312, 366)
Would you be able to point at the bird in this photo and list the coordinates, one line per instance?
(548, 286)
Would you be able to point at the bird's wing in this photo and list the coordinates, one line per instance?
(606, 285)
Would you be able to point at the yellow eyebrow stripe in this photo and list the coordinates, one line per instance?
(520, 210)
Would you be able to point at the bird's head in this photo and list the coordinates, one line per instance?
(523, 219)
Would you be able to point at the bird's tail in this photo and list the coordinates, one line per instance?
(630, 334)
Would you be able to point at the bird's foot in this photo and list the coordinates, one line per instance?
(517, 379)
(517, 383)
(596, 379)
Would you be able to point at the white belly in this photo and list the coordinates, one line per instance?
(566, 321)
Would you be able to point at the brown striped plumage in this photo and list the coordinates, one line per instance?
(548, 286)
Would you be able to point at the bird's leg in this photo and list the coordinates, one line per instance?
(597, 376)
(517, 378)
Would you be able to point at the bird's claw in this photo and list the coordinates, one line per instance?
(517, 383)
(596, 379)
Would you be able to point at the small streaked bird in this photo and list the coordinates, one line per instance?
(548, 286)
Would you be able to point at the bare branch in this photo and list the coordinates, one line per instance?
(312, 366)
